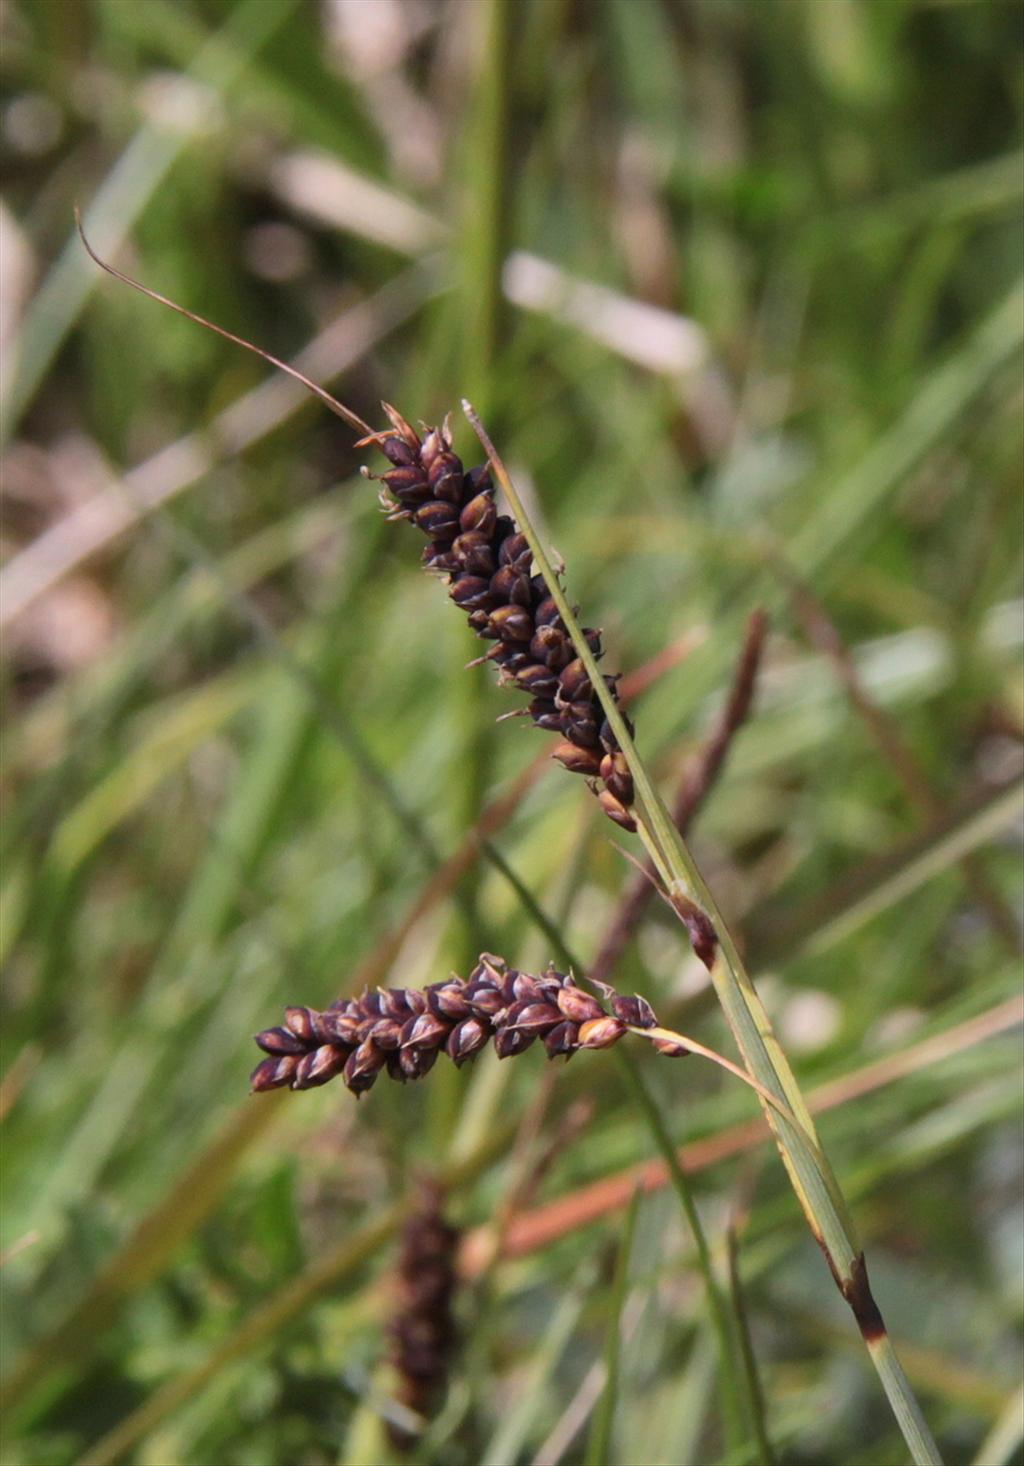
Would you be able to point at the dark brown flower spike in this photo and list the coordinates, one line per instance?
(488, 567)
(401, 1031)
(422, 1333)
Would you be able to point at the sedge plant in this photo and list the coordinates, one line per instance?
(500, 574)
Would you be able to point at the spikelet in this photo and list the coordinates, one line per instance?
(401, 1031)
(422, 1332)
(488, 566)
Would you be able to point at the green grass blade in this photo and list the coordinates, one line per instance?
(868, 892)
(1003, 1442)
(754, 1392)
(277, 1311)
(599, 1439)
(184, 1207)
(944, 396)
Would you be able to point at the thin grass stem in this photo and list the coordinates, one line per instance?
(670, 1036)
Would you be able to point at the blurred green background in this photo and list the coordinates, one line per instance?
(735, 283)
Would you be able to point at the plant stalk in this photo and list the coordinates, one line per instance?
(809, 1171)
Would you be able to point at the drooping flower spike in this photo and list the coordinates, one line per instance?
(402, 1031)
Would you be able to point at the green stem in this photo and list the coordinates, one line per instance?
(903, 1401)
(811, 1175)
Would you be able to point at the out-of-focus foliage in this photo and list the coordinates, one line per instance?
(735, 282)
